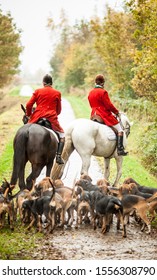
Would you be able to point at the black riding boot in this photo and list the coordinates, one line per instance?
(120, 147)
(59, 159)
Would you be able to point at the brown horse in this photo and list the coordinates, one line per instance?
(36, 144)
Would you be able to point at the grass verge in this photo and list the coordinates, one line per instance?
(17, 244)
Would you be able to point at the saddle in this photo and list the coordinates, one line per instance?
(44, 122)
(98, 119)
(41, 121)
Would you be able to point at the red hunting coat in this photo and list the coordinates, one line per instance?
(102, 106)
(48, 105)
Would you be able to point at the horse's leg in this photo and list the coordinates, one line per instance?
(19, 172)
(86, 160)
(106, 168)
(22, 184)
(119, 161)
(48, 168)
(36, 169)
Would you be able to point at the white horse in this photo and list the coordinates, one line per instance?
(92, 138)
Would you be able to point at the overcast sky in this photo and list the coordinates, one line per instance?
(31, 16)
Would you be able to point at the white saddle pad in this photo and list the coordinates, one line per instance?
(50, 130)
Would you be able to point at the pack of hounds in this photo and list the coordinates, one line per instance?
(50, 205)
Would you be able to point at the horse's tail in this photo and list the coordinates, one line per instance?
(68, 147)
(19, 157)
(57, 170)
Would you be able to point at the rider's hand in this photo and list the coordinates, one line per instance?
(119, 115)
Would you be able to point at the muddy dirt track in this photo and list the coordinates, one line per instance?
(87, 244)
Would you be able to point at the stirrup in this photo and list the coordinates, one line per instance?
(59, 159)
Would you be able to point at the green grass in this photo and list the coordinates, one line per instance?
(15, 91)
(17, 244)
(6, 160)
(132, 166)
(79, 105)
(6, 155)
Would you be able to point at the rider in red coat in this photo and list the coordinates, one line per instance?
(103, 108)
(48, 105)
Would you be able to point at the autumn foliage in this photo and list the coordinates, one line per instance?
(10, 49)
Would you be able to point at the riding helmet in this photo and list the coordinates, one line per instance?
(99, 79)
(47, 80)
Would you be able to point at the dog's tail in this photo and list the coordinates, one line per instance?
(118, 202)
(14, 195)
(5, 195)
(74, 188)
(80, 190)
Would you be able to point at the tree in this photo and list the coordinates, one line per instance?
(115, 45)
(76, 57)
(10, 48)
(75, 61)
(60, 34)
(145, 60)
